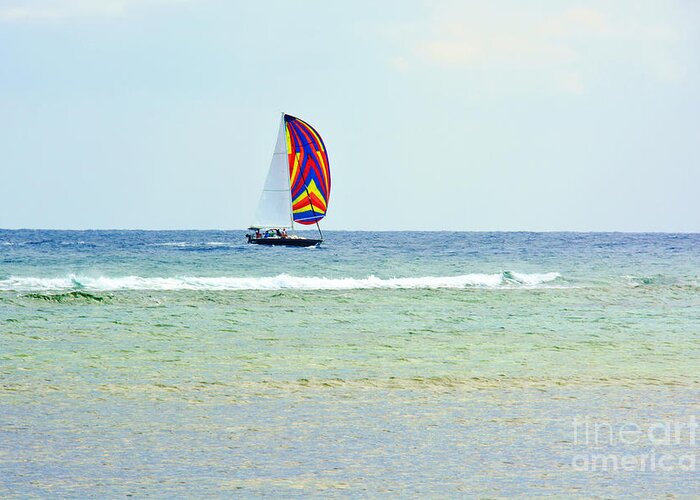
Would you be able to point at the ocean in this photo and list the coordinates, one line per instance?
(438, 364)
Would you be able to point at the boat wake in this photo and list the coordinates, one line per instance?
(506, 279)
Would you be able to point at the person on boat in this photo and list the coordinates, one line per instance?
(257, 234)
(277, 232)
(284, 233)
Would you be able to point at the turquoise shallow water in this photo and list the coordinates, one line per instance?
(190, 363)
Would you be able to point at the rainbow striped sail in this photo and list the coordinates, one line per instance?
(309, 174)
(298, 184)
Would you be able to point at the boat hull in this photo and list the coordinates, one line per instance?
(286, 242)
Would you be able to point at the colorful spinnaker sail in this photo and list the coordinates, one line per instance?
(309, 172)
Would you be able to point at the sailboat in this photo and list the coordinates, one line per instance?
(297, 187)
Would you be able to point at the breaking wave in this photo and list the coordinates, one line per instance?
(506, 279)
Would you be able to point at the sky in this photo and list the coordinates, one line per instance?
(445, 115)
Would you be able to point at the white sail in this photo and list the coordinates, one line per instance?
(275, 205)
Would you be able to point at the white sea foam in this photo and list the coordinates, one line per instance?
(280, 282)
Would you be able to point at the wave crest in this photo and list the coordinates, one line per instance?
(506, 279)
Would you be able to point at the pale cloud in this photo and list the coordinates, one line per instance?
(565, 43)
(54, 10)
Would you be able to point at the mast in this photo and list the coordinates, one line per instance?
(289, 180)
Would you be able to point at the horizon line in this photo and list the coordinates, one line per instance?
(569, 231)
